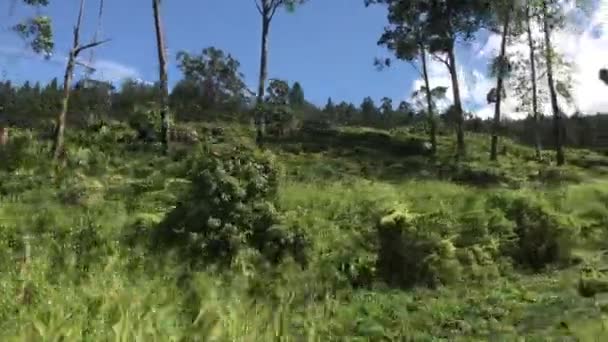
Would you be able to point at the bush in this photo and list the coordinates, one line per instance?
(416, 250)
(542, 236)
(230, 210)
(22, 152)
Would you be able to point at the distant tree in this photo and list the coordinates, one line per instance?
(186, 99)
(92, 97)
(278, 92)
(346, 113)
(215, 74)
(603, 75)
(267, 10)
(277, 112)
(369, 111)
(133, 93)
(386, 109)
(406, 112)
(329, 106)
(163, 83)
(296, 95)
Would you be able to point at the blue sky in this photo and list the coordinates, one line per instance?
(327, 45)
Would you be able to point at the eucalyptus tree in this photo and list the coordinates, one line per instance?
(552, 18)
(438, 26)
(37, 30)
(529, 13)
(267, 10)
(163, 74)
(407, 38)
(509, 17)
(77, 48)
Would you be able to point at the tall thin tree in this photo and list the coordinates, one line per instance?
(557, 115)
(504, 9)
(267, 10)
(531, 48)
(163, 74)
(77, 48)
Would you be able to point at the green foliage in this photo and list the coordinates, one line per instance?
(296, 96)
(37, 31)
(93, 276)
(212, 75)
(416, 251)
(544, 236)
(230, 209)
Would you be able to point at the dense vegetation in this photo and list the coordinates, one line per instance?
(208, 213)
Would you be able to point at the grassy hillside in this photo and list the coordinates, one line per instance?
(346, 234)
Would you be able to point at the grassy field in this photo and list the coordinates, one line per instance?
(352, 234)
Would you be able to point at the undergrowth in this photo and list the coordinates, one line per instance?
(359, 235)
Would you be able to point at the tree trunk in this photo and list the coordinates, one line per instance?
(261, 119)
(67, 84)
(461, 148)
(60, 125)
(557, 117)
(537, 140)
(429, 102)
(163, 77)
(499, 86)
(3, 135)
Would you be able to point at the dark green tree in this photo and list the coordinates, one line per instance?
(296, 95)
(215, 74)
(369, 111)
(386, 109)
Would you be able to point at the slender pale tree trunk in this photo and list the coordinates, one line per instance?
(557, 117)
(460, 145)
(163, 75)
(499, 85)
(67, 85)
(60, 124)
(537, 140)
(260, 120)
(429, 102)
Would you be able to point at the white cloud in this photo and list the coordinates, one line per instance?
(108, 70)
(587, 50)
(114, 71)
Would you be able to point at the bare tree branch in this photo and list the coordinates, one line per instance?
(79, 49)
(274, 5)
(257, 5)
(442, 60)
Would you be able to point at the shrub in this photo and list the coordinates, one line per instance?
(542, 236)
(229, 210)
(22, 152)
(416, 250)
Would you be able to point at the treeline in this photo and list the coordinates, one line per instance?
(35, 104)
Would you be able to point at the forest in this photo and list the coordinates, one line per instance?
(208, 211)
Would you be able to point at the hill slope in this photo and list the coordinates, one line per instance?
(328, 234)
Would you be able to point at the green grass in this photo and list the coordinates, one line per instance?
(92, 275)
